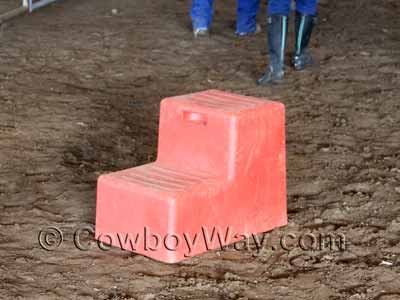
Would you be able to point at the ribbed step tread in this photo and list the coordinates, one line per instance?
(159, 177)
(222, 101)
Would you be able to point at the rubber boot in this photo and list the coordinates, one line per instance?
(304, 25)
(277, 32)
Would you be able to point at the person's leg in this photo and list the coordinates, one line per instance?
(306, 7)
(279, 7)
(246, 16)
(306, 11)
(201, 14)
(278, 12)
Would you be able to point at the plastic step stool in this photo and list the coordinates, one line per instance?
(220, 176)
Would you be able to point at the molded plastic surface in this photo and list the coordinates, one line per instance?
(219, 177)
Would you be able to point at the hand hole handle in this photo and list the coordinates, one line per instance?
(194, 117)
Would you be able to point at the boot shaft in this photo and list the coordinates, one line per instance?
(277, 33)
(304, 25)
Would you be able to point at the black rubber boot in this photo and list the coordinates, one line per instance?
(277, 32)
(304, 25)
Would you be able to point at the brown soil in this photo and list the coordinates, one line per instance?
(80, 89)
(7, 5)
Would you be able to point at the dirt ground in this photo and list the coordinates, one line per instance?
(80, 89)
(7, 5)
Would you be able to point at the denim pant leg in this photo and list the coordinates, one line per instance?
(307, 7)
(279, 7)
(201, 13)
(246, 16)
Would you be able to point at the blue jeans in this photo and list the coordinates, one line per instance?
(202, 12)
(282, 7)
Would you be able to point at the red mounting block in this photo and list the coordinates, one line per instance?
(220, 176)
